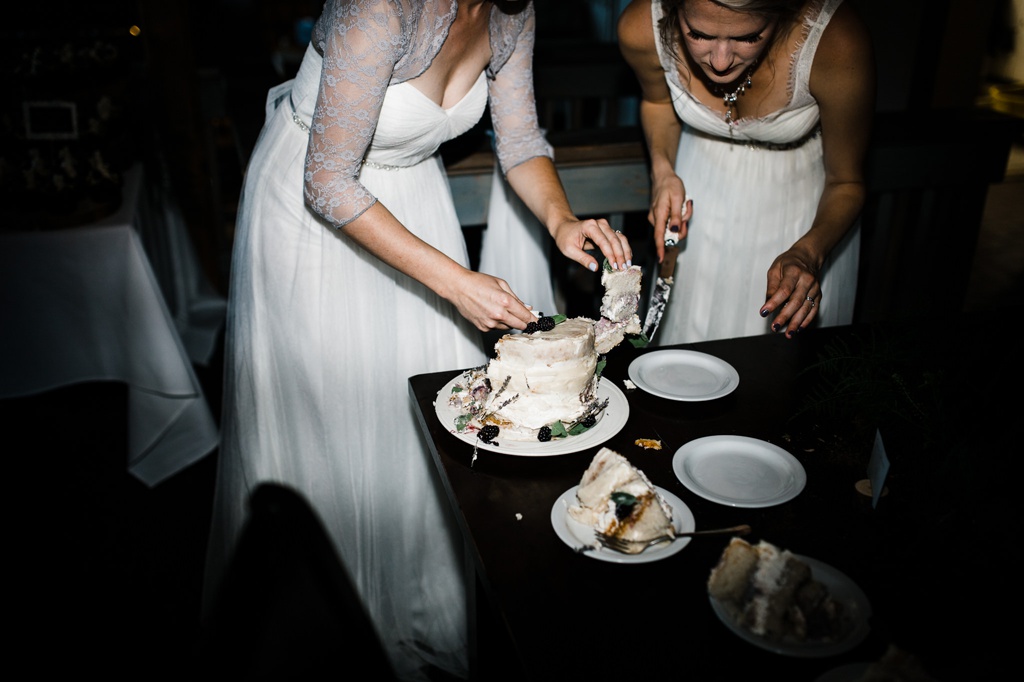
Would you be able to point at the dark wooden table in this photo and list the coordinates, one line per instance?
(543, 611)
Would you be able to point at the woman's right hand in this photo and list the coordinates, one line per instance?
(668, 196)
(489, 302)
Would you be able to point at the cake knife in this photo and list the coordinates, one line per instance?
(666, 277)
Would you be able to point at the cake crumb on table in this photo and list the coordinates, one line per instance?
(648, 443)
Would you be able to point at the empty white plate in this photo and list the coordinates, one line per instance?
(683, 375)
(739, 471)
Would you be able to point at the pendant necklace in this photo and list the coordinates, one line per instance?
(729, 98)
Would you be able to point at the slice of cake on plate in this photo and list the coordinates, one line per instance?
(773, 594)
(616, 499)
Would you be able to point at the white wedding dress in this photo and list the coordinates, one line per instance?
(755, 189)
(322, 337)
(319, 395)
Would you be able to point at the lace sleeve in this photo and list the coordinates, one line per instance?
(362, 42)
(513, 108)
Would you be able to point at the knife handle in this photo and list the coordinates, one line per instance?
(672, 238)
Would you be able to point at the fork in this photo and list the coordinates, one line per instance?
(637, 546)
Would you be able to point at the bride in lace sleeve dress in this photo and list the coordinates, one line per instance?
(759, 112)
(350, 274)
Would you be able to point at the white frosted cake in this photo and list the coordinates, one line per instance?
(772, 593)
(618, 307)
(539, 385)
(616, 499)
(542, 383)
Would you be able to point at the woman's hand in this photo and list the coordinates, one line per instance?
(794, 291)
(668, 211)
(537, 183)
(573, 238)
(489, 303)
(843, 84)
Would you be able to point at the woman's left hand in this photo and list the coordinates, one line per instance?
(793, 293)
(574, 237)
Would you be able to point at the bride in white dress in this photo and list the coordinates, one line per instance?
(762, 108)
(350, 274)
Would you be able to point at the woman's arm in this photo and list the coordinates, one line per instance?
(843, 83)
(525, 159)
(359, 59)
(488, 302)
(658, 119)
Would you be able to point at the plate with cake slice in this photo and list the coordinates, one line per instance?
(618, 500)
(685, 375)
(739, 471)
(787, 603)
(581, 537)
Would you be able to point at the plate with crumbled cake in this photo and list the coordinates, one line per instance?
(787, 603)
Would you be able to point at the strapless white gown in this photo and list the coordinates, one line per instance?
(322, 339)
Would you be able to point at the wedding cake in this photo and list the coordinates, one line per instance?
(542, 383)
(617, 500)
(539, 385)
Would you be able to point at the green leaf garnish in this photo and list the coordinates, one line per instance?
(600, 365)
(639, 340)
(624, 504)
(606, 265)
(461, 421)
(624, 499)
(577, 429)
(558, 430)
(559, 319)
(457, 388)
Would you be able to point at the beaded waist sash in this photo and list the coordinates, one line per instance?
(760, 144)
(297, 120)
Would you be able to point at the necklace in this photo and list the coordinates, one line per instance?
(729, 98)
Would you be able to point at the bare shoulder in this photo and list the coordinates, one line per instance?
(845, 42)
(843, 84)
(635, 27)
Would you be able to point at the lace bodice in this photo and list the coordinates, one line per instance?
(370, 45)
(791, 123)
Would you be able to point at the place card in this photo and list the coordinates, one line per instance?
(878, 469)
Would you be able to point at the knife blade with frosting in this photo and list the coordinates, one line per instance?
(666, 277)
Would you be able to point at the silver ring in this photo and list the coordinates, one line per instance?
(618, 231)
(810, 299)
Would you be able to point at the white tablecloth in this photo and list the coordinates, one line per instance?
(84, 304)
